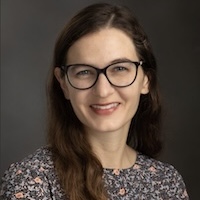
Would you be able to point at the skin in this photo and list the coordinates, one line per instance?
(106, 128)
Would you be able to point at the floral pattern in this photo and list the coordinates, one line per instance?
(35, 178)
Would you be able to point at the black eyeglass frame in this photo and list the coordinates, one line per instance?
(99, 71)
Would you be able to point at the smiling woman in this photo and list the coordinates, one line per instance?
(102, 106)
(104, 118)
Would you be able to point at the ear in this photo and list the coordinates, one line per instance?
(145, 85)
(61, 80)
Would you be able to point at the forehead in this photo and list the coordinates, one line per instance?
(102, 47)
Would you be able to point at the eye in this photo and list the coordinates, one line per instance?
(83, 72)
(119, 68)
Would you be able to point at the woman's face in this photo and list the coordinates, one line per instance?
(104, 107)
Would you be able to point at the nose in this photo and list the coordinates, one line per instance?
(103, 88)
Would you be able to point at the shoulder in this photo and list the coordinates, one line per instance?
(158, 174)
(40, 160)
(153, 165)
(155, 168)
(29, 177)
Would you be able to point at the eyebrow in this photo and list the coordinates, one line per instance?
(109, 63)
(120, 60)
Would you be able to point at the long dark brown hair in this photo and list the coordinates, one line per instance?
(79, 171)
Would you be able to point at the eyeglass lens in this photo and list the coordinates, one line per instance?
(119, 74)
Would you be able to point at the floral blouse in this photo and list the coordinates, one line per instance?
(35, 178)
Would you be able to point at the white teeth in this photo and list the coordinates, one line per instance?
(104, 107)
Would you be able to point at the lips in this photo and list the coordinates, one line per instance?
(104, 108)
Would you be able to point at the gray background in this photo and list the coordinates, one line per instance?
(29, 29)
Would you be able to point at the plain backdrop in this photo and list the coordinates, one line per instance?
(29, 29)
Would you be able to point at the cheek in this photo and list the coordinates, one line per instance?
(134, 102)
(77, 98)
(74, 99)
(76, 105)
(132, 97)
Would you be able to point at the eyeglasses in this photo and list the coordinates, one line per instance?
(120, 74)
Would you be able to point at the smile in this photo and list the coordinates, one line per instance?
(105, 107)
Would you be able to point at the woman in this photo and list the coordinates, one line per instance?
(104, 118)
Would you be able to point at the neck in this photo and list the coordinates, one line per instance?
(112, 150)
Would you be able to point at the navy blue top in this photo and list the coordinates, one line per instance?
(35, 178)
